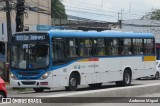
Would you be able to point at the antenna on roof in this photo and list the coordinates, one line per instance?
(98, 29)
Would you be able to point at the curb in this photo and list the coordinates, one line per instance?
(131, 91)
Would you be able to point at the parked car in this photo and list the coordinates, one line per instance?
(157, 69)
(157, 75)
(3, 90)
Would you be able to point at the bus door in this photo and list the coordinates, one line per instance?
(100, 72)
(59, 58)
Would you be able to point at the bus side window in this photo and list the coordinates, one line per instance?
(114, 46)
(137, 46)
(148, 46)
(99, 45)
(86, 47)
(73, 47)
(127, 47)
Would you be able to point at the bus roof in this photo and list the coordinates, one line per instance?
(102, 34)
(94, 34)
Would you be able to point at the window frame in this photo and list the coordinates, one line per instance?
(59, 61)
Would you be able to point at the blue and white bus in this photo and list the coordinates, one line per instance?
(42, 60)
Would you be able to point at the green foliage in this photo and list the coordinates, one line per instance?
(155, 15)
(58, 10)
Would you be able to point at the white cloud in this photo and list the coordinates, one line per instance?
(153, 3)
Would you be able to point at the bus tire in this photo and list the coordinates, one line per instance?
(98, 85)
(73, 83)
(126, 79)
(2, 95)
(156, 76)
(38, 89)
(138, 78)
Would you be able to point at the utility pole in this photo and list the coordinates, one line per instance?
(119, 21)
(102, 3)
(9, 33)
(121, 13)
(20, 15)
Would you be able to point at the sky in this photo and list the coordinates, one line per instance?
(110, 10)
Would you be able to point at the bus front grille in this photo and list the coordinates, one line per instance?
(28, 82)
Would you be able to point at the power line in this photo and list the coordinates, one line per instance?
(77, 5)
(114, 12)
(91, 13)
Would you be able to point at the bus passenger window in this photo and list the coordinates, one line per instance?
(99, 47)
(127, 47)
(114, 47)
(73, 48)
(148, 46)
(86, 47)
(138, 46)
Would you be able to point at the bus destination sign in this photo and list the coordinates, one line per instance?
(31, 37)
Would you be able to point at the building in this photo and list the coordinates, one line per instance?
(31, 20)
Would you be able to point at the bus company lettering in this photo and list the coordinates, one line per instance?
(34, 37)
(22, 37)
(31, 37)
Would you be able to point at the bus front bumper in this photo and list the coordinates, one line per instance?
(30, 83)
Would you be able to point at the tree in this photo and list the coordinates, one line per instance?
(58, 10)
(155, 15)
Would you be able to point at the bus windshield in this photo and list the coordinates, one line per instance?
(30, 56)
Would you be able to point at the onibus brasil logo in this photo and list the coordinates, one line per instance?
(21, 100)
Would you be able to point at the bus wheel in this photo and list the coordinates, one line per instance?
(2, 95)
(98, 85)
(126, 79)
(73, 83)
(38, 89)
(156, 76)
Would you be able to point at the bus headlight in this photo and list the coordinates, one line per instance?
(13, 76)
(45, 75)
